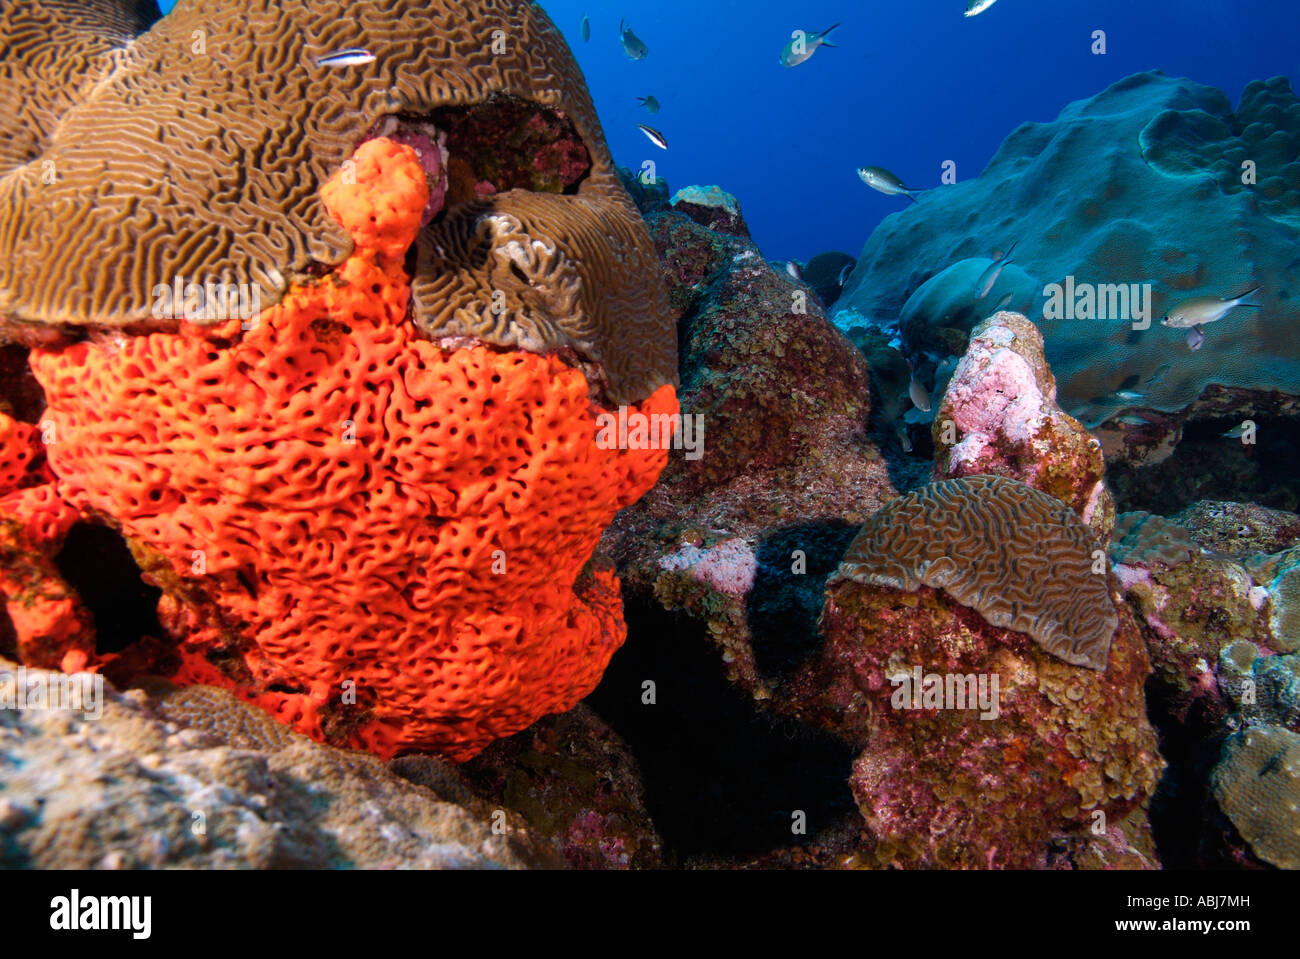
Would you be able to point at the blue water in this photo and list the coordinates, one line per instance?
(912, 84)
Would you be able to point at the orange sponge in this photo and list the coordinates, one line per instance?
(382, 542)
(47, 618)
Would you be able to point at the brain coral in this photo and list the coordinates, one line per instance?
(381, 541)
(1018, 556)
(1257, 784)
(50, 48)
(219, 124)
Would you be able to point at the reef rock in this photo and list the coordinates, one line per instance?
(762, 509)
(713, 208)
(577, 786)
(194, 778)
(999, 416)
(980, 747)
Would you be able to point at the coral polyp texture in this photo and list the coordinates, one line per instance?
(241, 127)
(1018, 556)
(1257, 784)
(380, 541)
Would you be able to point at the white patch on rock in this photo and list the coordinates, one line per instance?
(729, 567)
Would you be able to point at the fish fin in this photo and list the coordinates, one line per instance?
(911, 195)
(827, 31)
(827, 43)
(1241, 300)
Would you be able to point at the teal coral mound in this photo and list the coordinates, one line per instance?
(1260, 142)
(1110, 193)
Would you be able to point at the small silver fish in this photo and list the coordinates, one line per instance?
(792, 268)
(586, 28)
(844, 274)
(1205, 309)
(1131, 420)
(920, 398)
(975, 7)
(1195, 338)
(349, 57)
(1128, 396)
(650, 103)
(991, 273)
(880, 179)
(903, 439)
(1004, 302)
(803, 45)
(632, 44)
(657, 138)
(1155, 377)
(1236, 433)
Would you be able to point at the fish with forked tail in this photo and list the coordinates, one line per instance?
(881, 180)
(632, 44)
(803, 45)
(990, 275)
(1201, 310)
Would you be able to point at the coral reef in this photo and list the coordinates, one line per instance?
(713, 208)
(994, 774)
(823, 274)
(1265, 690)
(785, 466)
(1110, 195)
(1239, 529)
(573, 781)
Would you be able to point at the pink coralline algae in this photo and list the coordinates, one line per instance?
(728, 567)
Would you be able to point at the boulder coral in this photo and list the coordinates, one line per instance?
(1141, 184)
(1257, 785)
